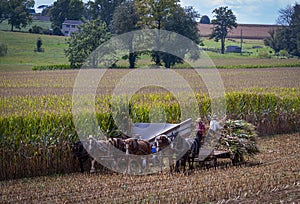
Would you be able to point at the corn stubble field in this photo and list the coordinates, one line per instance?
(37, 133)
(273, 176)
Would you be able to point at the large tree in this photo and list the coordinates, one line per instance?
(205, 20)
(289, 33)
(65, 9)
(83, 42)
(295, 27)
(125, 20)
(275, 40)
(285, 16)
(102, 9)
(2, 10)
(224, 21)
(183, 22)
(16, 11)
(154, 14)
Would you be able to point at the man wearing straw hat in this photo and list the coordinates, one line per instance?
(214, 125)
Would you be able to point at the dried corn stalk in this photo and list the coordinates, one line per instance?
(239, 137)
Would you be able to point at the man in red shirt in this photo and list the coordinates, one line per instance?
(200, 130)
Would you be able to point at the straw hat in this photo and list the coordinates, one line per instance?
(214, 117)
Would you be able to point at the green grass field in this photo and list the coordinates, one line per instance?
(250, 49)
(44, 24)
(21, 55)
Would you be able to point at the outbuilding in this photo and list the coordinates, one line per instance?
(235, 49)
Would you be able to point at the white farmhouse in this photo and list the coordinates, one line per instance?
(70, 26)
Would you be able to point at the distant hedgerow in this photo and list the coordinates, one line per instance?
(52, 67)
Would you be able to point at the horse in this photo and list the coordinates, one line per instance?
(117, 143)
(80, 152)
(137, 147)
(194, 145)
(83, 151)
(96, 147)
(162, 142)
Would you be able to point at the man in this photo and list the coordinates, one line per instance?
(212, 137)
(215, 125)
(200, 130)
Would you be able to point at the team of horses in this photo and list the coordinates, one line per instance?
(133, 146)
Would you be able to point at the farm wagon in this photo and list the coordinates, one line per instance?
(149, 131)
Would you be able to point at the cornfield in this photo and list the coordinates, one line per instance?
(36, 142)
(37, 129)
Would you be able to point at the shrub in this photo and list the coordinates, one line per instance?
(264, 55)
(51, 67)
(36, 29)
(283, 54)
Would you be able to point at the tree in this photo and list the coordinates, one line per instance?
(39, 44)
(205, 20)
(274, 41)
(2, 10)
(65, 9)
(46, 10)
(224, 21)
(154, 14)
(289, 33)
(16, 11)
(285, 16)
(102, 9)
(295, 35)
(83, 42)
(183, 22)
(125, 20)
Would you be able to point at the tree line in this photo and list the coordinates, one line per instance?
(130, 16)
(286, 39)
(140, 14)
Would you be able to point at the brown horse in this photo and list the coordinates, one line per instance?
(162, 142)
(137, 147)
(117, 143)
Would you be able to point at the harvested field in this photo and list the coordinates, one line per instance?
(272, 177)
(61, 82)
(250, 31)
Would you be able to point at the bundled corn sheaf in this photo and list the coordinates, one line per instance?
(239, 137)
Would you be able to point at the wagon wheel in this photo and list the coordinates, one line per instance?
(122, 164)
(213, 162)
(135, 166)
(237, 159)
